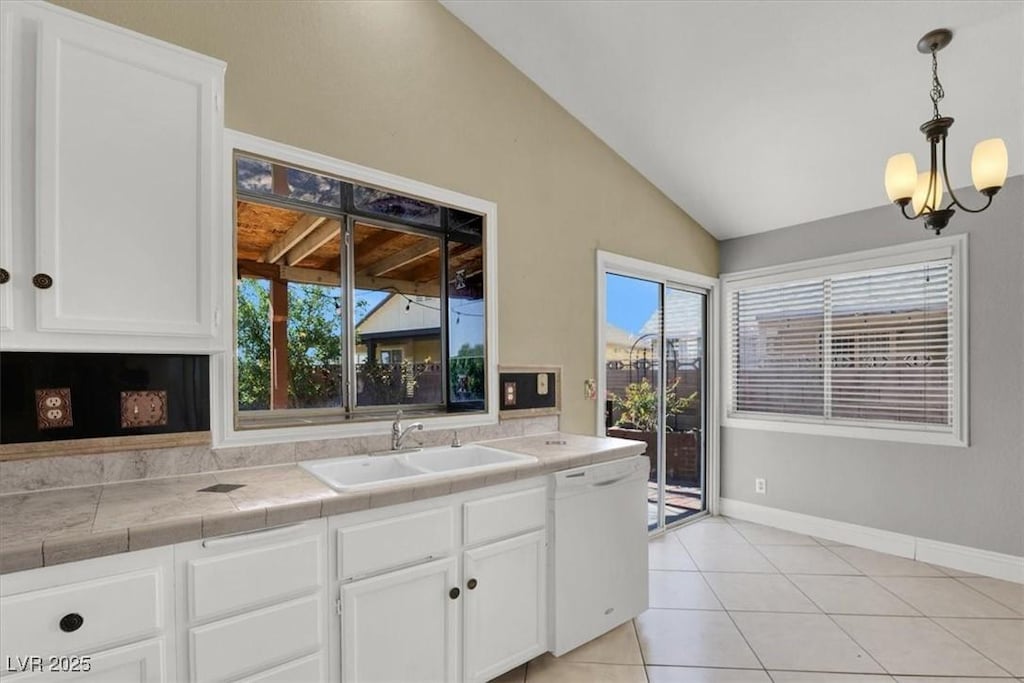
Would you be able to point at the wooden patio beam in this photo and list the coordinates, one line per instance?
(305, 225)
(332, 278)
(313, 241)
(401, 258)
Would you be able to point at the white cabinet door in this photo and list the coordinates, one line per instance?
(504, 606)
(110, 228)
(402, 626)
(143, 662)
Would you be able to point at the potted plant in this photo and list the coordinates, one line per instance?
(638, 420)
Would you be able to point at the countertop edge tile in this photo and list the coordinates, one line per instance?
(170, 532)
(15, 557)
(31, 553)
(63, 549)
(223, 523)
(292, 513)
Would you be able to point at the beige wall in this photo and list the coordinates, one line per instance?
(406, 88)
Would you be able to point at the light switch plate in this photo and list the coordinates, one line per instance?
(542, 384)
(143, 409)
(53, 408)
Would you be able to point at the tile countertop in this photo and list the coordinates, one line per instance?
(54, 526)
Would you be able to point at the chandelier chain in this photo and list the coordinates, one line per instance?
(937, 92)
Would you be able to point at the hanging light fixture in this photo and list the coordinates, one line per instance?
(924, 192)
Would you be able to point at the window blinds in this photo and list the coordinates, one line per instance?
(872, 346)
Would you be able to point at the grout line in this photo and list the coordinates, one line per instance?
(959, 579)
(997, 664)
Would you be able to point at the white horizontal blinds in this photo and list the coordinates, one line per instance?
(891, 347)
(777, 354)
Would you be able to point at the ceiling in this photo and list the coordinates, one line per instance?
(753, 116)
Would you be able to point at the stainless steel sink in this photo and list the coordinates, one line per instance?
(366, 472)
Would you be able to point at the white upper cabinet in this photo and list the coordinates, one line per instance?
(113, 184)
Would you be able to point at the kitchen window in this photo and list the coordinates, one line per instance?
(867, 345)
(354, 300)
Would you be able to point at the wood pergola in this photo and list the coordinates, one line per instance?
(285, 245)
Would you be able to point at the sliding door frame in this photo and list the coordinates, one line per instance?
(667, 276)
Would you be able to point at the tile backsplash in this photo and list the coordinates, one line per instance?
(34, 474)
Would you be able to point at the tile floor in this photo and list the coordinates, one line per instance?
(734, 602)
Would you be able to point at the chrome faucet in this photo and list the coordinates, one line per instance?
(398, 434)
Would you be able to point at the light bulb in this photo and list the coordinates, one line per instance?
(933, 199)
(989, 164)
(900, 177)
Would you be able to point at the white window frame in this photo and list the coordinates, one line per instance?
(223, 366)
(954, 247)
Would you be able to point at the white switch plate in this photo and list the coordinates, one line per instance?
(760, 486)
(542, 384)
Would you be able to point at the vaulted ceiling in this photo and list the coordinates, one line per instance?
(753, 116)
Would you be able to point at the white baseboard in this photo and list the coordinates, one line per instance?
(964, 558)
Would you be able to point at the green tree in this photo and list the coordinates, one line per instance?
(314, 345)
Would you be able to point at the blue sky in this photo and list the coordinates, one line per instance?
(630, 302)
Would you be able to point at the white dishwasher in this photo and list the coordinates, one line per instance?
(600, 541)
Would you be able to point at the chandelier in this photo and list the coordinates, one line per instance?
(924, 192)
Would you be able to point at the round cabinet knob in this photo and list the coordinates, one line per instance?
(42, 281)
(471, 584)
(453, 593)
(5, 276)
(70, 623)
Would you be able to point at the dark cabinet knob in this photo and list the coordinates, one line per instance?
(453, 593)
(42, 281)
(471, 584)
(70, 623)
(5, 277)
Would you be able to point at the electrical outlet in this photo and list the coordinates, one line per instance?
(143, 409)
(760, 486)
(542, 384)
(510, 393)
(53, 408)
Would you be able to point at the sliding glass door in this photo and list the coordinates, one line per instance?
(655, 383)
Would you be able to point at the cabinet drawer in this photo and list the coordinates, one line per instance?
(113, 609)
(375, 546)
(256, 640)
(505, 515)
(249, 578)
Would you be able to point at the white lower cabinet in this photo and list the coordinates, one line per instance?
(402, 625)
(504, 615)
(106, 619)
(253, 606)
(443, 590)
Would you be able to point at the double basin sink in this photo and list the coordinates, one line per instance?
(369, 471)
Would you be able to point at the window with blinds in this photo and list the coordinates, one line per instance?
(873, 346)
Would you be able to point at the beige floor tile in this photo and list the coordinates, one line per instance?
(687, 674)
(944, 597)
(548, 669)
(880, 564)
(829, 542)
(708, 534)
(803, 642)
(817, 677)
(516, 675)
(850, 595)
(666, 552)
(758, 592)
(1001, 640)
(674, 637)
(794, 559)
(730, 558)
(1004, 592)
(680, 590)
(758, 534)
(916, 646)
(618, 646)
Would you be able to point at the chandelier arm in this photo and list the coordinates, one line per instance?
(949, 186)
(903, 210)
(933, 178)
